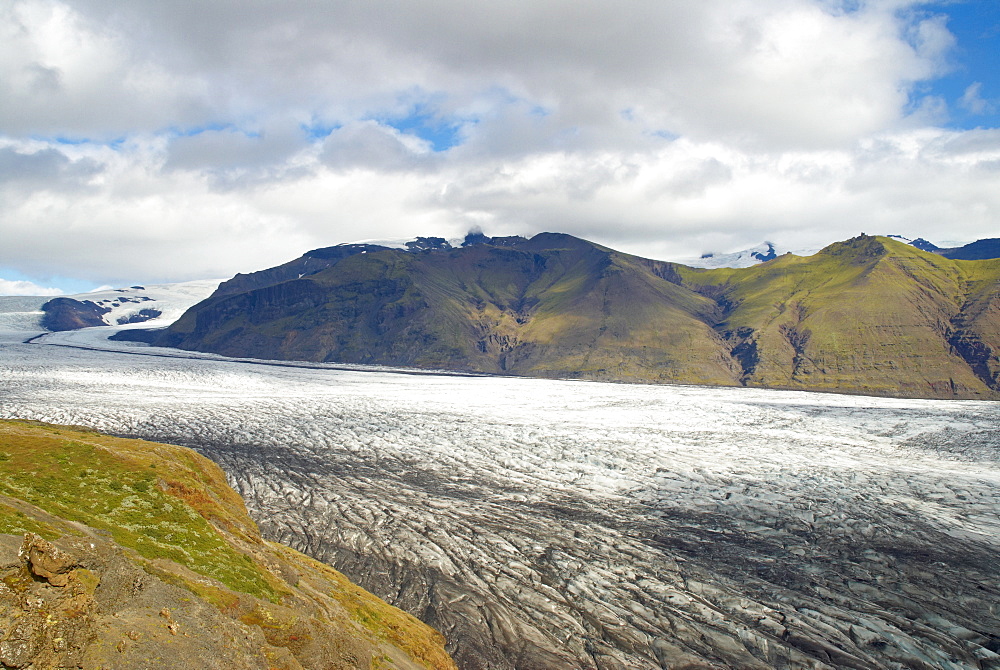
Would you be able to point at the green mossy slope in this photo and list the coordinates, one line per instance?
(554, 306)
(868, 315)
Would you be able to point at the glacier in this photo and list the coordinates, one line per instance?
(567, 524)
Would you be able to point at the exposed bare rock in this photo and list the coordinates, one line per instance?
(69, 314)
(108, 597)
(47, 561)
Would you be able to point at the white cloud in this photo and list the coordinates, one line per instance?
(371, 145)
(8, 287)
(230, 136)
(779, 71)
(64, 73)
(676, 200)
(972, 100)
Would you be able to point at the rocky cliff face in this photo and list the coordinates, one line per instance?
(70, 314)
(869, 315)
(128, 554)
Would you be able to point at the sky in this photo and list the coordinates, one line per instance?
(159, 141)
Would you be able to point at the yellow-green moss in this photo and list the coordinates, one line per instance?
(382, 620)
(108, 483)
(15, 522)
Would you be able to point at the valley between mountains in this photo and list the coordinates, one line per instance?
(869, 315)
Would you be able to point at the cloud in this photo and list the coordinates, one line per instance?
(64, 73)
(677, 199)
(43, 167)
(8, 287)
(372, 145)
(154, 140)
(778, 71)
(230, 149)
(973, 102)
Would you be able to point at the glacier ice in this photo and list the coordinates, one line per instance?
(549, 524)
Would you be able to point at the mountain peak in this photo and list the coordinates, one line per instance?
(550, 241)
(861, 249)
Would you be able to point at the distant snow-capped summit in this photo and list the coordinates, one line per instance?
(980, 249)
(431, 243)
(766, 251)
(919, 243)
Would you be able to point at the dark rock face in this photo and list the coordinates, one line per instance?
(147, 335)
(69, 314)
(510, 241)
(141, 316)
(978, 250)
(428, 244)
(475, 237)
(768, 255)
(921, 243)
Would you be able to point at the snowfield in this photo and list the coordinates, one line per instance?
(548, 524)
(24, 313)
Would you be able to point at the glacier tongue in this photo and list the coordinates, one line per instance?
(547, 524)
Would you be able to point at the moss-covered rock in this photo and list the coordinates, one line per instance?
(124, 553)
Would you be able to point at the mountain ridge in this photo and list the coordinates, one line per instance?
(867, 315)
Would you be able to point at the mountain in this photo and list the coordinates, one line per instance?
(919, 243)
(154, 305)
(124, 553)
(978, 250)
(553, 305)
(318, 260)
(974, 251)
(869, 315)
(767, 251)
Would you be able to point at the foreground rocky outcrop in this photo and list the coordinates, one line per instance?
(128, 554)
(869, 315)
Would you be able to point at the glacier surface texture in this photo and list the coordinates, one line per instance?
(548, 524)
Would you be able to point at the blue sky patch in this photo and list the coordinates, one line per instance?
(972, 88)
(442, 134)
(65, 284)
(319, 130)
(70, 141)
(217, 127)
